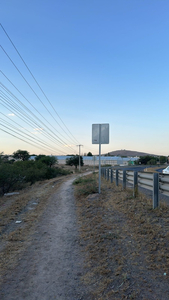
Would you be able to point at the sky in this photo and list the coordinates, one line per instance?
(66, 65)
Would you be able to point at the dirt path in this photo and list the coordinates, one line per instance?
(107, 246)
(51, 267)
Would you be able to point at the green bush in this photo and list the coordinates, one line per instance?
(15, 176)
(86, 185)
(34, 174)
(10, 178)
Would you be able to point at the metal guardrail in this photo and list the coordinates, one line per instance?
(156, 182)
(164, 184)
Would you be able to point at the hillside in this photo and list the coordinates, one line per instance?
(128, 153)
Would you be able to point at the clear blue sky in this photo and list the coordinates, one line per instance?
(97, 62)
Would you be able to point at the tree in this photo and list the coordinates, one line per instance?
(21, 154)
(89, 154)
(151, 162)
(47, 160)
(145, 160)
(162, 159)
(1, 155)
(74, 161)
(38, 157)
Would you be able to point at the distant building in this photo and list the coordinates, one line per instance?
(105, 160)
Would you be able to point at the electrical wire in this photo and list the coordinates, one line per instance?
(30, 88)
(20, 112)
(29, 103)
(27, 133)
(54, 134)
(28, 136)
(34, 145)
(7, 102)
(38, 84)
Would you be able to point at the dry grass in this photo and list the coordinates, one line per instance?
(126, 244)
(151, 169)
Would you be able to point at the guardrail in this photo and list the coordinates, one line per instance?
(156, 182)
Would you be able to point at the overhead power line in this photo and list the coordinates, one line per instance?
(57, 138)
(26, 135)
(16, 108)
(35, 145)
(38, 86)
(8, 103)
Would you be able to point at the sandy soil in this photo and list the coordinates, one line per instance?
(51, 267)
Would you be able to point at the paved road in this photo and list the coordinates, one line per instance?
(131, 168)
(136, 168)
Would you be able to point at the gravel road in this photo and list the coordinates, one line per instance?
(51, 267)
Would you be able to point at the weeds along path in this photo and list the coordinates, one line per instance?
(45, 262)
(125, 243)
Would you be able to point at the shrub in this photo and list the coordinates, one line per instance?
(10, 178)
(15, 176)
(86, 185)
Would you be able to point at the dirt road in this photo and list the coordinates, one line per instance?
(51, 267)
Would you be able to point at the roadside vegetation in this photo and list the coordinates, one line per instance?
(125, 243)
(19, 172)
(86, 185)
(151, 160)
(74, 161)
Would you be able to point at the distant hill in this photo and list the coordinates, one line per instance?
(127, 153)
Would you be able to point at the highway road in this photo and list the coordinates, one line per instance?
(136, 168)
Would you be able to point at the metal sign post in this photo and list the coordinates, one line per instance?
(99, 158)
(100, 135)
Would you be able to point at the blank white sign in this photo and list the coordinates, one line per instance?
(104, 133)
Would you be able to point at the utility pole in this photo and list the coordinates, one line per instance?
(79, 155)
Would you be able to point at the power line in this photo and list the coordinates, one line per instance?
(28, 121)
(37, 83)
(60, 140)
(30, 87)
(43, 133)
(22, 139)
(27, 134)
(19, 112)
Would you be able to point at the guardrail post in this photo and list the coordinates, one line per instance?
(108, 174)
(105, 173)
(135, 186)
(117, 177)
(111, 175)
(124, 180)
(155, 190)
